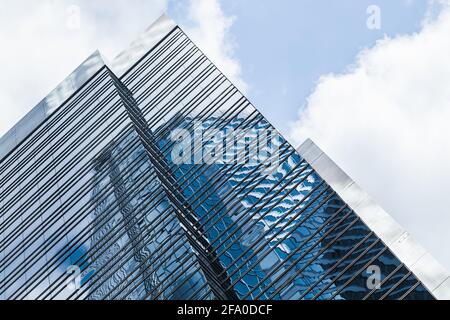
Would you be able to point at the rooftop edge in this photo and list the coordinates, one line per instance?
(24, 127)
(427, 269)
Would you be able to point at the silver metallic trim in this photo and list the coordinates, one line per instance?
(50, 103)
(432, 275)
(147, 40)
(156, 32)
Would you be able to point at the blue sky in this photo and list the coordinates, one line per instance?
(285, 46)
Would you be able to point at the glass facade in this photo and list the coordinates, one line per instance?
(96, 204)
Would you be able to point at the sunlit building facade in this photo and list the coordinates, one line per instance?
(153, 177)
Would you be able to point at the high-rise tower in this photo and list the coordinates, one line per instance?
(153, 177)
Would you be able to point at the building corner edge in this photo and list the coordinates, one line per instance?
(427, 269)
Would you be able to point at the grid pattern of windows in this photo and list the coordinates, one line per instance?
(94, 204)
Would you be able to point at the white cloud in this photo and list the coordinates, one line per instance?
(38, 50)
(386, 121)
(210, 28)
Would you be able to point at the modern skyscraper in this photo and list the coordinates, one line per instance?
(153, 177)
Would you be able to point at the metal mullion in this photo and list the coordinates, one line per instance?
(195, 170)
(143, 183)
(36, 150)
(267, 242)
(57, 129)
(26, 204)
(191, 231)
(47, 168)
(180, 205)
(345, 285)
(159, 263)
(329, 220)
(189, 277)
(220, 217)
(389, 276)
(171, 71)
(254, 205)
(184, 48)
(296, 261)
(113, 235)
(211, 62)
(184, 93)
(180, 95)
(20, 150)
(73, 220)
(77, 194)
(148, 61)
(166, 68)
(192, 296)
(185, 179)
(395, 286)
(203, 233)
(124, 252)
(189, 267)
(46, 155)
(285, 237)
(333, 216)
(160, 64)
(305, 242)
(160, 247)
(188, 37)
(336, 265)
(210, 226)
(113, 83)
(185, 73)
(356, 260)
(220, 97)
(86, 207)
(147, 54)
(209, 110)
(164, 169)
(189, 273)
(418, 283)
(122, 281)
(273, 196)
(159, 82)
(237, 107)
(262, 246)
(230, 193)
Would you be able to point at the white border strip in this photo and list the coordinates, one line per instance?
(432, 275)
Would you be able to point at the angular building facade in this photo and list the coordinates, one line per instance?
(153, 177)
